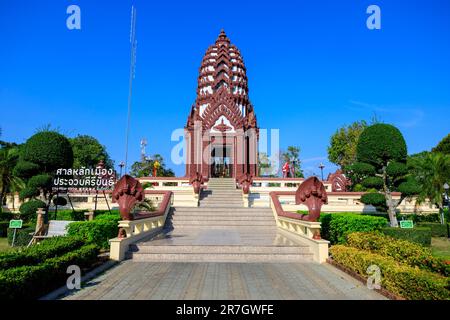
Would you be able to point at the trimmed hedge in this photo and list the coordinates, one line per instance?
(96, 231)
(4, 225)
(403, 280)
(407, 252)
(437, 229)
(32, 282)
(68, 215)
(418, 235)
(23, 236)
(46, 249)
(336, 227)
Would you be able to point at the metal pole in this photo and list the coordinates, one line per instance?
(130, 87)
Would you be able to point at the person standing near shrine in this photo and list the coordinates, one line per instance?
(286, 170)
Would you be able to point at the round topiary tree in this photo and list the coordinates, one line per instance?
(50, 150)
(381, 154)
(40, 157)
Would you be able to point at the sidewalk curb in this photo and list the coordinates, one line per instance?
(54, 295)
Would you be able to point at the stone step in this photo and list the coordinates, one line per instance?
(222, 201)
(148, 247)
(225, 223)
(221, 218)
(222, 210)
(193, 228)
(225, 258)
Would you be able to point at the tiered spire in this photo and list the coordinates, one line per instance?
(222, 87)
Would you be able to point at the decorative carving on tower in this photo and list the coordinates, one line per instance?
(339, 181)
(222, 93)
(312, 193)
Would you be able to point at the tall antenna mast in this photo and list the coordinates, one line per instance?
(133, 45)
(143, 145)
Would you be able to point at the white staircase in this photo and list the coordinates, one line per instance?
(221, 230)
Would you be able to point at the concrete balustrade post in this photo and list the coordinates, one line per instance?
(89, 216)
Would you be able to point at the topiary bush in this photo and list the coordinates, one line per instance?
(379, 143)
(96, 231)
(4, 225)
(29, 209)
(375, 199)
(418, 235)
(336, 227)
(403, 251)
(48, 149)
(403, 280)
(25, 169)
(60, 201)
(23, 236)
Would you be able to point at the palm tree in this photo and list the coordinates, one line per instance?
(9, 183)
(432, 171)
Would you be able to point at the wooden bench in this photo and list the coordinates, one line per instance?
(56, 228)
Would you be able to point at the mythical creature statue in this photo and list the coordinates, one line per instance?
(246, 181)
(312, 193)
(127, 192)
(196, 181)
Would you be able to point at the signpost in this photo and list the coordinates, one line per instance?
(15, 224)
(406, 224)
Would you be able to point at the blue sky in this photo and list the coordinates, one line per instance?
(313, 66)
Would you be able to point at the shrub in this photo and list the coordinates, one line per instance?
(379, 143)
(372, 182)
(335, 227)
(40, 252)
(31, 282)
(96, 231)
(4, 228)
(418, 235)
(68, 215)
(40, 181)
(403, 280)
(25, 169)
(109, 217)
(437, 229)
(28, 209)
(403, 251)
(4, 215)
(375, 199)
(23, 236)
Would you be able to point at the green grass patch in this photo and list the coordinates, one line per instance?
(440, 247)
(4, 246)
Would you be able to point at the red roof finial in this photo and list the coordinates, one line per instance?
(222, 37)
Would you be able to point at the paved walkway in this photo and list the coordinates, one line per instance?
(131, 280)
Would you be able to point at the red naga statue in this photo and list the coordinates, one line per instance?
(246, 181)
(196, 181)
(127, 192)
(312, 193)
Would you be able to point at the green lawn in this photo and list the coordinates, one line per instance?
(4, 246)
(441, 247)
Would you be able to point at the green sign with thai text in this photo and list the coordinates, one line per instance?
(406, 224)
(15, 224)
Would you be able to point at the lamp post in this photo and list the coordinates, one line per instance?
(321, 166)
(294, 161)
(445, 203)
(121, 165)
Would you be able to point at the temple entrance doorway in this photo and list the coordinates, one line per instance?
(221, 162)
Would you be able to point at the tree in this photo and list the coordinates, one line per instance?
(87, 152)
(40, 157)
(443, 146)
(9, 182)
(293, 153)
(381, 155)
(431, 171)
(342, 148)
(144, 168)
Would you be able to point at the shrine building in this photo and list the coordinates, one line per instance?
(221, 131)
